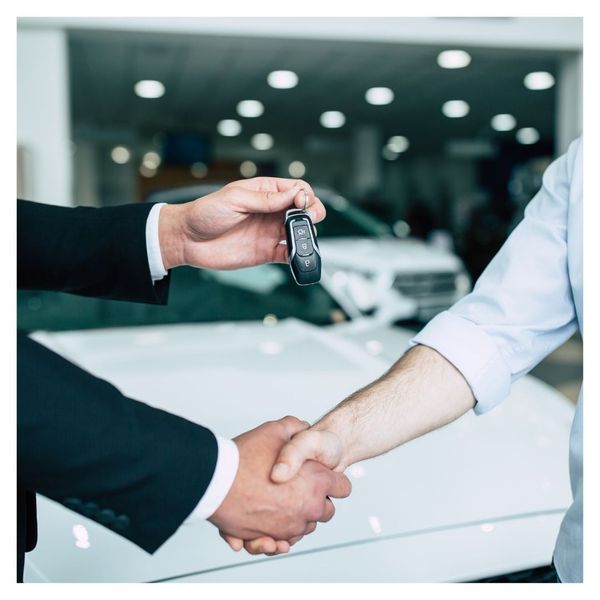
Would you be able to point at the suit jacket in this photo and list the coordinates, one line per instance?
(136, 469)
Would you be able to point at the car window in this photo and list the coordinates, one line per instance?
(345, 220)
(196, 295)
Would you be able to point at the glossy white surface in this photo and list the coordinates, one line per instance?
(401, 256)
(477, 471)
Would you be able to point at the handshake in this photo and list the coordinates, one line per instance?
(280, 492)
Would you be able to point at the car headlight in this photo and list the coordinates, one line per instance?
(358, 286)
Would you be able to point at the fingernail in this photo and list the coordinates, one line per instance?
(280, 470)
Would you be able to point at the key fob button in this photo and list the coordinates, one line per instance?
(307, 263)
(301, 231)
(304, 247)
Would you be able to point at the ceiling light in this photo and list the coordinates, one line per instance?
(453, 59)
(398, 144)
(151, 160)
(379, 95)
(455, 109)
(527, 135)
(147, 171)
(332, 119)
(248, 169)
(149, 88)
(250, 108)
(262, 141)
(120, 155)
(229, 127)
(296, 169)
(388, 153)
(538, 80)
(199, 170)
(282, 80)
(503, 122)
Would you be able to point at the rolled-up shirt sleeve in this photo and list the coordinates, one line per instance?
(521, 308)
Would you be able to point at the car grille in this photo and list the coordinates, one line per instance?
(424, 285)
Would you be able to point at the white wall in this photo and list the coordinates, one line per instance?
(43, 128)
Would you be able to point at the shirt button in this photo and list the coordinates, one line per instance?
(122, 522)
(72, 503)
(106, 516)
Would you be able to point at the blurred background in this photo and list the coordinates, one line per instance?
(430, 132)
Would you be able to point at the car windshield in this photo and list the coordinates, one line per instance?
(265, 293)
(345, 220)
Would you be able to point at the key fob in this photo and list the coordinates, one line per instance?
(303, 250)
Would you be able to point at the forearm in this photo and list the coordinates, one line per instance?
(420, 393)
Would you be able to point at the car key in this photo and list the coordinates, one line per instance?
(303, 250)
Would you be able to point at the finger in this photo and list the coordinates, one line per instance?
(280, 254)
(295, 540)
(312, 525)
(328, 511)
(321, 446)
(339, 486)
(236, 544)
(293, 425)
(283, 546)
(251, 201)
(261, 545)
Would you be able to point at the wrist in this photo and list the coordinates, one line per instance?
(171, 234)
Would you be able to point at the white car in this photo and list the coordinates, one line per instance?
(372, 270)
(479, 499)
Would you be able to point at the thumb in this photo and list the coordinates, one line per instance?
(251, 201)
(323, 446)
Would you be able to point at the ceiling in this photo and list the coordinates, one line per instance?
(205, 77)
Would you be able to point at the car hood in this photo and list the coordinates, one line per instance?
(231, 377)
(372, 254)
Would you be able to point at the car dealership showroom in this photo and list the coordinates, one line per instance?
(299, 299)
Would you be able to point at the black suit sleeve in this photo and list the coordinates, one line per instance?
(89, 251)
(131, 467)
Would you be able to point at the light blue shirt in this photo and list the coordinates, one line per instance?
(527, 302)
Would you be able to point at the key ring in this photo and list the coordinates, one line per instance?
(305, 199)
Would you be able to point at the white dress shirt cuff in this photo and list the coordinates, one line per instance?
(155, 262)
(473, 352)
(228, 458)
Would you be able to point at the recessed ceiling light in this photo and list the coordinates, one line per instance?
(250, 108)
(332, 119)
(149, 88)
(248, 169)
(503, 122)
(120, 155)
(296, 169)
(379, 95)
(398, 144)
(538, 80)
(282, 80)
(229, 127)
(199, 170)
(455, 109)
(453, 59)
(527, 135)
(151, 160)
(388, 153)
(262, 141)
(147, 171)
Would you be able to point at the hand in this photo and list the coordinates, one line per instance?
(306, 445)
(257, 507)
(238, 226)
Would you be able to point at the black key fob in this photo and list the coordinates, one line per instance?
(303, 250)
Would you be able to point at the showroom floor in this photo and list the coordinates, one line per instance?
(563, 369)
